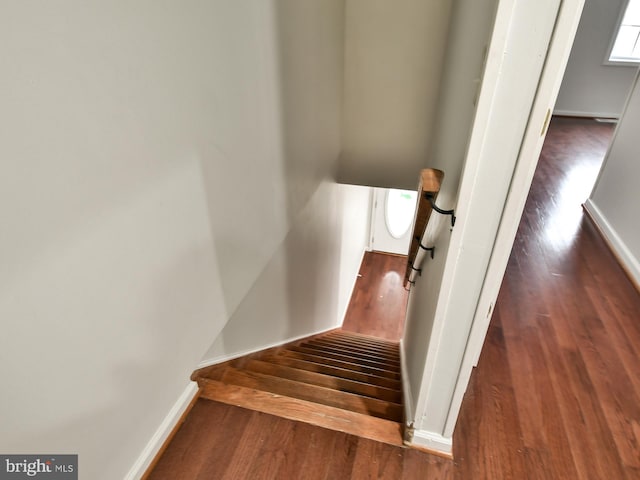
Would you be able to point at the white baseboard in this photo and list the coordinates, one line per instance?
(577, 113)
(231, 356)
(162, 433)
(628, 261)
(406, 387)
(433, 442)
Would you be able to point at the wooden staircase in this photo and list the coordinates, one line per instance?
(339, 380)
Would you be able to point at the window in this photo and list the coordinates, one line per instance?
(399, 211)
(626, 44)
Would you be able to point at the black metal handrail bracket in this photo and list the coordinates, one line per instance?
(432, 202)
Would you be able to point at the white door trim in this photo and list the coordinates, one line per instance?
(549, 85)
(519, 66)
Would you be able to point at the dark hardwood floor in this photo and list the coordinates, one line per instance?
(379, 301)
(557, 390)
(556, 394)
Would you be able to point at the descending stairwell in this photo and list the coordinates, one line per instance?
(339, 380)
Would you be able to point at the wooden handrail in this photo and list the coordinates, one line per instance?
(430, 181)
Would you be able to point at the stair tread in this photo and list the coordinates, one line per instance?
(355, 348)
(338, 419)
(324, 380)
(363, 338)
(333, 370)
(364, 345)
(341, 363)
(314, 393)
(393, 362)
(355, 359)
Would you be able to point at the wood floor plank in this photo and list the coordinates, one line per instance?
(320, 454)
(340, 461)
(379, 303)
(300, 448)
(208, 449)
(272, 441)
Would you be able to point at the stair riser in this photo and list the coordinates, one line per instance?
(341, 364)
(334, 371)
(392, 350)
(355, 349)
(328, 381)
(364, 340)
(312, 393)
(392, 364)
(294, 409)
(347, 358)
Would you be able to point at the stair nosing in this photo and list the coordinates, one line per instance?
(377, 407)
(354, 384)
(369, 356)
(371, 378)
(324, 416)
(356, 360)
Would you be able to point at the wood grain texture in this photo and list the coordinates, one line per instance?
(235, 443)
(556, 394)
(333, 371)
(329, 381)
(314, 393)
(313, 413)
(430, 180)
(379, 301)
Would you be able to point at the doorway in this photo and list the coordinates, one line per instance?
(392, 217)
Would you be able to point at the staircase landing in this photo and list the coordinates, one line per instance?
(339, 380)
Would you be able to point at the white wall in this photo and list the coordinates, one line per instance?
(152, 169)
(307, 285)
(516, 56)
(394, 53)
(613, 204)
(468, 38)
(590, 88)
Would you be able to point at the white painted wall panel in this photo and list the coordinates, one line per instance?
(615, 196)
(155, 158)
(307, 285)
(590, 88)
(394, 52)
(471, 25)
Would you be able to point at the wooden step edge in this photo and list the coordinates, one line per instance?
(370, 356)
(324, 416)
(391, 348)
(316, 394)
(361, 336)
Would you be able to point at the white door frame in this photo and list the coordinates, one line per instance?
(380, 239)
(505, 141)
(549, 85)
